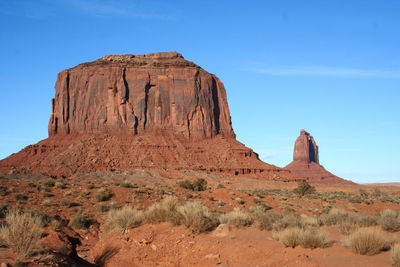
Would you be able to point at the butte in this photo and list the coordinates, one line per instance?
(305, 162)
(155, 111)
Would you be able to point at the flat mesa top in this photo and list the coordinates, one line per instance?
(162, 59)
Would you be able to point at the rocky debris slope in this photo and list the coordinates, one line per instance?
(148, 111)
(305, 162)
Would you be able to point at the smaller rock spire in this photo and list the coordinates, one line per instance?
(305, 148)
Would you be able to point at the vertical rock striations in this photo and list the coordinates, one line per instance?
(305, 162)
(156, 111)
(131, 94)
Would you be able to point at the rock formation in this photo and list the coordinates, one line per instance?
(124, 112)
(127, 93)
(305, 162)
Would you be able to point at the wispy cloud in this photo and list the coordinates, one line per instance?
(97, 8)
(100, 8)
(326, 71)
(40, 9)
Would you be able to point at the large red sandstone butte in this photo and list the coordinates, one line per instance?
(146, 111)
(305, 162)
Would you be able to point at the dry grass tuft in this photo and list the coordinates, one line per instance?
(165, 211)
(22, 233)
(389, 221)
(196, 217)
(123, 219)
(295, 236)
(237, 217)
(367, 241)
(264, 220)
(395, 254)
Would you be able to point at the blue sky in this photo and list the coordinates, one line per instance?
(330, 67)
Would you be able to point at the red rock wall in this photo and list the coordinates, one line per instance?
(133, 93)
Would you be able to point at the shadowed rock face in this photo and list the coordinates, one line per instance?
(305, 148)
(156, 111)
(305, 162)
(131, 94)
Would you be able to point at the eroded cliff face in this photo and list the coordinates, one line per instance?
(305, 148)
(305, 162)
(131, 94)
(153, 112)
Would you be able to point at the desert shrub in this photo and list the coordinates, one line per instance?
(80, 221)
(22, 233)
(103, 208)
(3, 191)
(365, 220)
(196, 217)
(389, 221)
(19, 196)
(68, 203)
(103, 194)
(237, 217)
(126, 184)
(71, 192)
(3, 209)
(289, 237)
(303, 189)
(48, 183)
(61, 184)
(84, 194)
(346, 228)
(309, 220)
(295, 236)
(264, 220)
(336, 216)
(165, 211)
(288, 221)
(239, 200)
(197, 185)
(395, 255)
(367, 241)
(312, 239)
(123, 219)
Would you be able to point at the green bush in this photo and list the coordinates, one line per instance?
(303, 189)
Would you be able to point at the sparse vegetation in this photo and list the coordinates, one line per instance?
(19, 196)
(196, 217)
(165, 211)
(22, 233)
(367, 241)
(264, 220)
(103, 194)
(80, 221)
(390, 221)
(295, 236)
(303, 189)
(123, 219)
(48, 182)
(395, 254)
(237, 217)
(197, 185)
